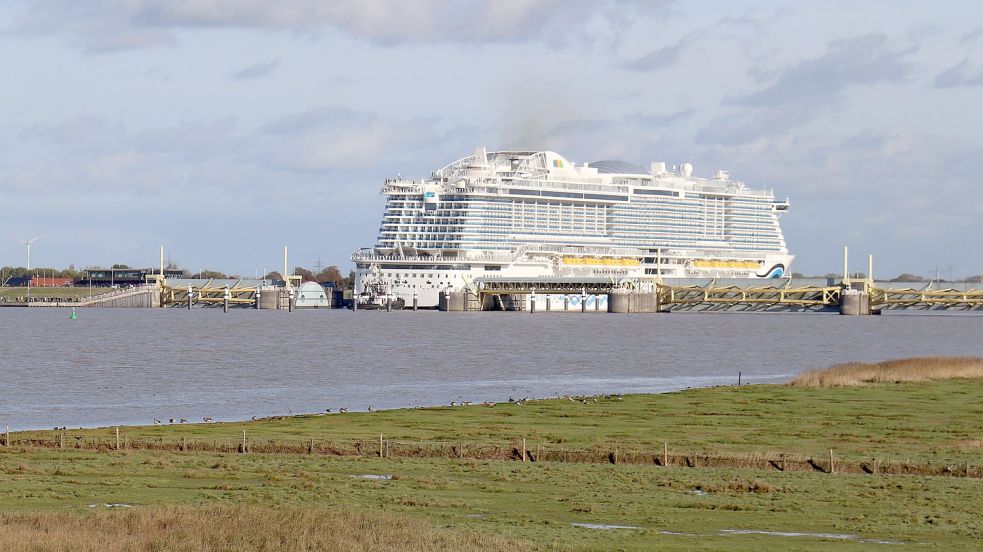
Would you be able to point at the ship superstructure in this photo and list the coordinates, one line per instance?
(535, 214)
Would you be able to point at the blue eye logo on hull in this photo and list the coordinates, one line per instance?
(776, 271)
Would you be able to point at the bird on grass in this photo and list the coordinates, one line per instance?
(184, 420)
(343, 410)
(156, 421)
(172, 421)
(207, 420)
(371, 409)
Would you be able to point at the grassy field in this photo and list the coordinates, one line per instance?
(535, 505)
(13, 293)
(938, 422)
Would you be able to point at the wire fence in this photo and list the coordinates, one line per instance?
(518, 450)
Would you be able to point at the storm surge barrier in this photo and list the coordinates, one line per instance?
(851, 296)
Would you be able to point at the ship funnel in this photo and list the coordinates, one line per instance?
(480, 157)
(658, 167)
(686, 170)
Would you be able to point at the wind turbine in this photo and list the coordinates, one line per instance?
(28, 244)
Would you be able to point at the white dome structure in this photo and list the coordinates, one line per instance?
(310, 295)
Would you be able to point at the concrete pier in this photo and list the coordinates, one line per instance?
(453, 301)
(632, 302)
(854, 302)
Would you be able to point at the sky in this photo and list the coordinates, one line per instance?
(224, 130)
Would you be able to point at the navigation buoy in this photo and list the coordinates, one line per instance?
(74, 316)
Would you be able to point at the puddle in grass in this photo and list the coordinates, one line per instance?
(111, 506)
(373, 476)
(834, 536)
(604, 526)
(733, 532)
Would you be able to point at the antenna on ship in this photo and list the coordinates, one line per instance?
(480, 157)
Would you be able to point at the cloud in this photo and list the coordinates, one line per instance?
(661, 58)
(852, 62)
(801, 92)
(257, 70)
(960, 74)
(338, 138)
(971, 36)
(634, 137)
(191, 184)
(130, 24)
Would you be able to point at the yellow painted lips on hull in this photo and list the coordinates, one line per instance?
(601, 261)
(726, 264)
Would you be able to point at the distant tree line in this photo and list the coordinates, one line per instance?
(327, 274)
(46, 272)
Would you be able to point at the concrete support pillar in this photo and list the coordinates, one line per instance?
(452, 301)
(854, 302)
(633, 302)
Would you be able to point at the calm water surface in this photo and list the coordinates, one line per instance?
(122, 366)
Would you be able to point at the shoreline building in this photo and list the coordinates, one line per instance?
(529, 214)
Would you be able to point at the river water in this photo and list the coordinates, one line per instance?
(129, 366)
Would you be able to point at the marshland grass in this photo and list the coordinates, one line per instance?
(234, 527)
(513, 501)
(909, 370)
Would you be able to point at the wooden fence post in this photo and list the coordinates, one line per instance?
(831, 468)
(244, 446)
(380, 446)
(523, 449)
(117, 437)
(665, 453)
(61, 443)
(6, 436)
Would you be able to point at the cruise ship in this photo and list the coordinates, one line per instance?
(535, 214)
